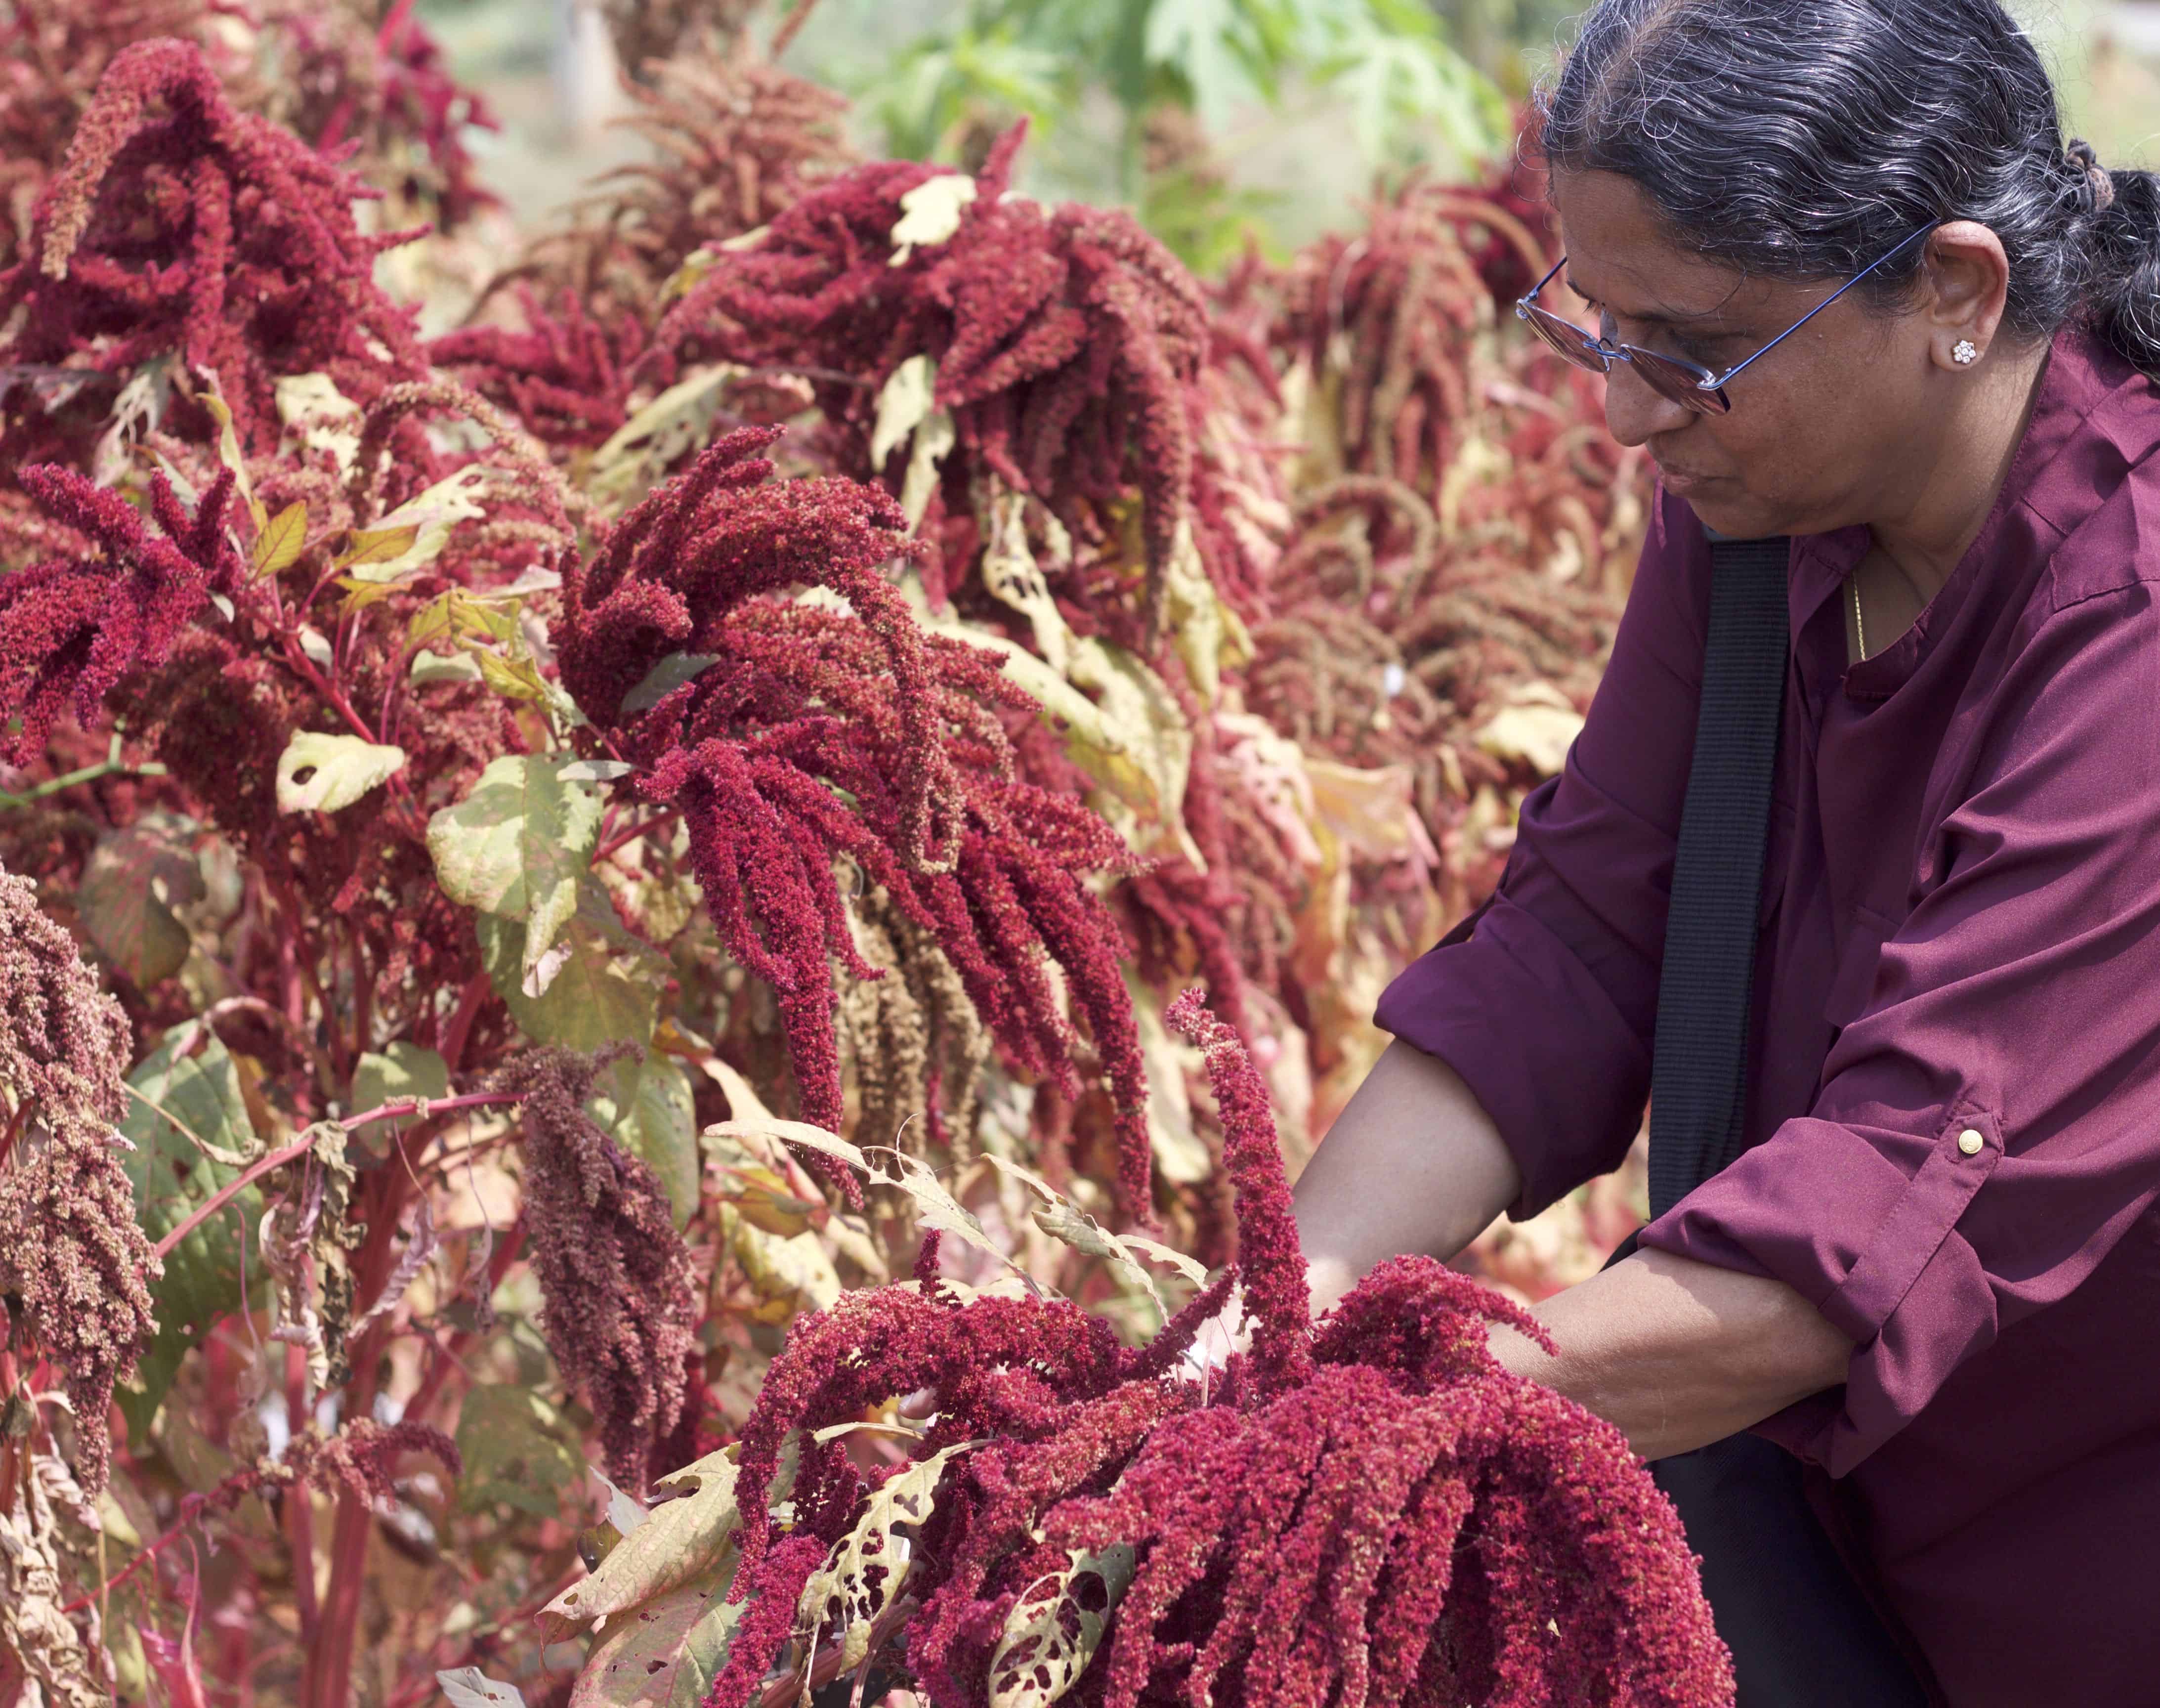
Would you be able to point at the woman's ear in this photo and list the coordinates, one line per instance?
(1964, 286)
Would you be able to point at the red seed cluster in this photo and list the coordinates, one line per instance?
(72, 628)
(72, 1255)
(621, 1307)
(179, 226)
(1068, 340)
(1370, 1512)
(816, 735)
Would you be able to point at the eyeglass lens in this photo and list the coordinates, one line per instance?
(1669, 379)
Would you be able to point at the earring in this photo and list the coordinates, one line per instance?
(1967, 353)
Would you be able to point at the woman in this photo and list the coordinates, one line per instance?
(1933, 1275)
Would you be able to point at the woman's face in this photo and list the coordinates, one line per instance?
(1842, 423)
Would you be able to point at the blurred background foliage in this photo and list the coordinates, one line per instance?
(1216, 121)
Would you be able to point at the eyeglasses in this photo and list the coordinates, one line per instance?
(1677, 380)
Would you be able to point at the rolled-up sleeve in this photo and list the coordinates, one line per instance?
(1983, 1134)
(1546, 1008)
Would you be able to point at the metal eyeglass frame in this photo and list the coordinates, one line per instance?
(1706, 396)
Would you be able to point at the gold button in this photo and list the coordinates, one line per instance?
(1970, 1142)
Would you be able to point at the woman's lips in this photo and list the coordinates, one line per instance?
(1679, 482)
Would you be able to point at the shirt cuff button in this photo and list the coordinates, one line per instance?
(1970, 1142)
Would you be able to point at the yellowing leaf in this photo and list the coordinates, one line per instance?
(412, 535)
(680, 1541)
(326, 418)
(1056, 1627)
(930, 213)
(228, 443)
(1537, 725)
(903, 405)
(517, 845)
(279, 543)
(793, 1274)
(323, 773)
(376, 545)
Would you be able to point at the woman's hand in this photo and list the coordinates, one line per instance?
(1676, 1353)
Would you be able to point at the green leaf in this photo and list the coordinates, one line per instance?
(651, 1113)
(664, 678)
(1056, 1627)
(278, 547)
(178, 1101)
(519, 1452)
(403, 1070)
(606, 986)
(636, 1663)
(519, 845)
(323, 773)
(431, 668)
(133, 881)
(680, 1541)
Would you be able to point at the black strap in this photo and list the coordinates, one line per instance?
(1698, 1069)
(1802, 1633)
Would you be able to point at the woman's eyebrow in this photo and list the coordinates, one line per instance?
(1650, 319)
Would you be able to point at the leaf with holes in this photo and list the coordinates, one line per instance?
(680, 1540)
(1055, 1628)
(321, 773)
(636, 1663)
(863, 1574)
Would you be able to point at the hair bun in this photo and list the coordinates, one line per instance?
(2100, 182)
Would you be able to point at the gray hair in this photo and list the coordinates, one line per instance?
(1802, 138)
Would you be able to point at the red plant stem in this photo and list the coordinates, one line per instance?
(299, 1148)
(635, 830)
(470, 1000)
(297, 1508)
(393, 25)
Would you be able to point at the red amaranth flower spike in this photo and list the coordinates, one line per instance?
(1395, 1521)
(179, 226)
(621, 1308)
(71, 630)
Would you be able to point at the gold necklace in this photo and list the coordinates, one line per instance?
(1859, 623)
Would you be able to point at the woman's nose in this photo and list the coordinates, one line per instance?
(1634, 414)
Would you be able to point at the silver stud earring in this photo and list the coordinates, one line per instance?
(1967, 353)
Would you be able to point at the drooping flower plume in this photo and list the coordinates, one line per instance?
(621, 1308)
(1372, 1511)
(812, 735)
(74, 1267)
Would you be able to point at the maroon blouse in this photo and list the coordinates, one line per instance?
(1955, 1081)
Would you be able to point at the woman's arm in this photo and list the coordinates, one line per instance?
(1676, 1354)
(1413, 1164)
(1672, 1353)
